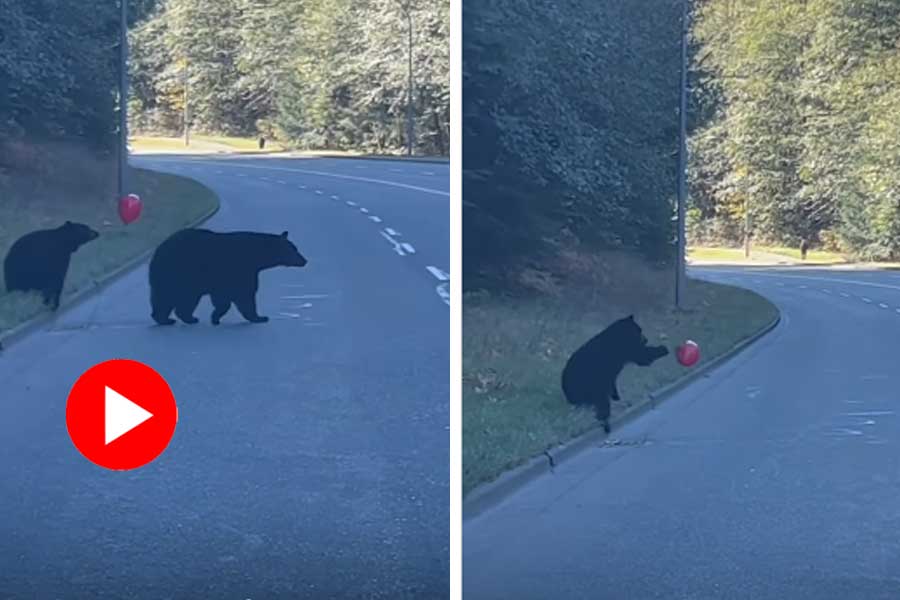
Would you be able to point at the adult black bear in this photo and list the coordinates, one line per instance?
(39, 261)
(194, 262)
(590, 374)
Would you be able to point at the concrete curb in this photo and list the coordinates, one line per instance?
(11, 336)
(492, 493)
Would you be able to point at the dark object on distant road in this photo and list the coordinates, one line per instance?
(39, 261)
(804, 247)
(195, 262)
(590, 374)
(262, 143)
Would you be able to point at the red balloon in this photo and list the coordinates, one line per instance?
(129, 208)
(688, 353)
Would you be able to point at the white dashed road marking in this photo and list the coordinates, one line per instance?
(391, 231)
(866, 300)
(333, 197)
(408, 247)
(319, 192)
(304, 296)
(375, 219)
(396, 245)
(282, 182)
(351, 203)
(883, 305)
(438, 274)
(364, 210)
(443, 291)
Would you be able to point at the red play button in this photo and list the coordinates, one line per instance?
(121, 414)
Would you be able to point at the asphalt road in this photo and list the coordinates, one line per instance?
(310, 458)
(775, 477)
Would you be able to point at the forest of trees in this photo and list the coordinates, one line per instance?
(796, 124)
(570, 128)
(323, 74)
(316, 73)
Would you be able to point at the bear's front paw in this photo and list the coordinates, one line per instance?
(260, 320)
(191, 320)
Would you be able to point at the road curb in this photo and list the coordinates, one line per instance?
(491, 494)
(10, 337)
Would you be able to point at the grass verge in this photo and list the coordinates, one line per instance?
(757, 253)
(514, 350)
(199, 143)
(170, 203)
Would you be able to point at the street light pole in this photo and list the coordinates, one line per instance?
(410, 121)
(680, 275)
(123, 97)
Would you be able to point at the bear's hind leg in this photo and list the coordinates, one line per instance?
(246, 304)
(186, 306)
(161, 307)
(601, 408)
(614, 394)
(221, 304)
(51, 296)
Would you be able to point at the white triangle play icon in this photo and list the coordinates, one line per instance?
(122, 415)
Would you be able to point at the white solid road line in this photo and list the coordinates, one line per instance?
(338, 176)
(828, 279)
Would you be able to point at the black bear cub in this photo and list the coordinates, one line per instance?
(194, 262)
(590, 374)
(39, 261)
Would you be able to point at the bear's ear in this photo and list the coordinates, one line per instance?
(630, 317)
(284, 234)
(68, 222)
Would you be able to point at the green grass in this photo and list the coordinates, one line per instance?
(514, 351)
(812, 256)
(763, 253)
(201, 142)
(170, 202)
